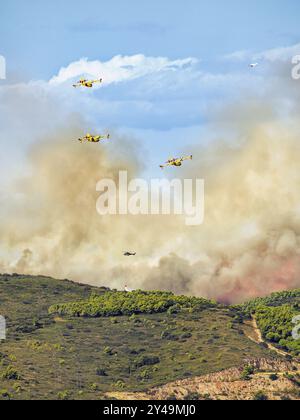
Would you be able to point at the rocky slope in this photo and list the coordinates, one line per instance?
(272, 379)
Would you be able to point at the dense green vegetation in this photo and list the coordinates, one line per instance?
(277, 299)
(51, 356)
(276, 326)
(137, 302)
(274, 315)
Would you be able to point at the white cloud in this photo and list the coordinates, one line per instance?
(142, 92)
(279, 54)
(121, 68)
(271, 55)
(238, 56)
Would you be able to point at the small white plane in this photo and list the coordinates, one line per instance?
(253, 65)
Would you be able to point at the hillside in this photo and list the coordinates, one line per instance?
(274, 317)
(269, 380)
(140, 342)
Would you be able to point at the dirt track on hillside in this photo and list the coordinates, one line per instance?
(257, 337)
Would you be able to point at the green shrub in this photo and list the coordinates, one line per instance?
(167, 335)
(260, 396)
(247, 372)
(206, 397)
(101, 372)
(145, 374)
(11, 374)
(94, 387)
(64, 395)
(274, 337)
(137, 302)
(5, 395)
(120, 384)
(147, 361)
(175, 309)
(171, 397)
(186, 336)
(192, 396)
(108, 351)
(17, 388)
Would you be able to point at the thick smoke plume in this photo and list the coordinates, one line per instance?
(249, 244)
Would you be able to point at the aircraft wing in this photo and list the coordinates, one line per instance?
(166, 164)
(187, 158)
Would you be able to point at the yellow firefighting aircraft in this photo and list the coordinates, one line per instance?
(93, 139)
(176, 161)
(86, 83)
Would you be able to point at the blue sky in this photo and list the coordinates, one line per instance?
(166, 103)
(59, 32)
